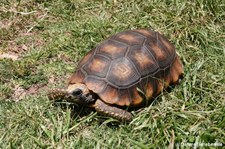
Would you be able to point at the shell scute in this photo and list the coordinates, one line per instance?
(98, 66)
(112, 49)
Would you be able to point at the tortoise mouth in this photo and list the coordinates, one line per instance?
(75, 93)
(79, 98)
(79, 93)
(72, 99)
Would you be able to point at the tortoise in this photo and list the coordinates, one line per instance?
(127, 70)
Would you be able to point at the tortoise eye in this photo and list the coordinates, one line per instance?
(77, 92)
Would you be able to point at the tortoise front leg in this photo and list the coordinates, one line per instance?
(112, 111)
(56, 94)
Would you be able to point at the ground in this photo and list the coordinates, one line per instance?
(41, 42)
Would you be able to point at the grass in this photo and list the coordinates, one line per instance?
(48, 38)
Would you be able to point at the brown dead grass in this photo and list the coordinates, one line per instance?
(18, 33)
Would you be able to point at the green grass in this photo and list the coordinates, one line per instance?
(50, 37)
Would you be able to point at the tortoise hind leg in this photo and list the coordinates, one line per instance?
(112, 111)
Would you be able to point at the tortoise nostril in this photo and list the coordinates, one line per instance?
(77, 92)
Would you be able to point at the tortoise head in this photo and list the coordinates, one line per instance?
(78, 93)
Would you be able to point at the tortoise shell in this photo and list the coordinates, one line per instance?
(127, 62)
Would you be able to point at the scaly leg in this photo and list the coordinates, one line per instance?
(56, 94)
(112, 111)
